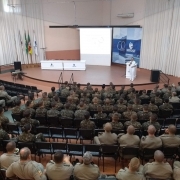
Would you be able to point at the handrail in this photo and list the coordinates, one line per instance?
(168, 79)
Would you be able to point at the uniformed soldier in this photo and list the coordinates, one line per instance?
(158, 169)
(152, 106)
(52, 93)
(96, 93)
(73, 106)
(103, 90)
(3, 119)
(131, 88)
(67, 113)
(152, 121)
(46, 100)
(87, 123)
(41, 111)
(100, 114)
(106, 137)
(87, 170)
(85, 98)
(95, 103)
(65, 92)
(79, 114)
(144, 114)
(59, 105)
(17, 109)
(176, 170)
(129, 139)
(132, 95)
(74, 97)
(115, 110)
(169, 139)
(78, 89)
(27, 119)
(168, 93)
(122, 90)
(144, 95)
(133, 122)
(28, 106)
(60, 168)
(165, 89)
(8, 158)
(137, 105)
(127, 114)
(131, 172)
(34, 102)
(115, 124)
(174, 98)
(150, 141)
(53, 112)
(26, 136)
(121, 105)
(25, 168)
(107, 106)
(158, 100)
(153, 93)
(166, 106)
(3, 134)
(83, 106)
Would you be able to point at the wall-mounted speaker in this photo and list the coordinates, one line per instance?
(17, 65)
(155, 75)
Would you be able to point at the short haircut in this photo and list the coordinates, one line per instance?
(152, 100)
(40, 103)
(26, 113)
(31, 96)
(1, 109)
(26, 128)
(10, 146)
(18, 102)
(53, 104)
(28, 103)
(87, 115)
(67, 106)
(134, 164)
(157, 94)
(53, 89)
(166, 100)
(24, 153)
(58, 157)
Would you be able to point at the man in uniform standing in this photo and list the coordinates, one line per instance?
(25, 168)
(132, 65)
(86, 170)
(60, 168)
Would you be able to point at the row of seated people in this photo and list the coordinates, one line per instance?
(61, 166)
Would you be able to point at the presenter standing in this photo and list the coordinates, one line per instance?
(132, 65)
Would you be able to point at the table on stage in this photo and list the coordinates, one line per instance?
(63, 65)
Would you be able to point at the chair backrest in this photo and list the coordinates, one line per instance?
(53, 121)
(42, 129)
(169, 152)
(3, 174)
(92, 147)
(101, 122)
(109, 149)
(30, 145)
(16, 117)
(169, 121)
(59, 146)
(42, 120)
(130, 151)
(43, 145)
(54, 130)
(176, 105)
(70, 131)
(66, 122)
(12, 127)
(86, 133)
(77, 123)
(75, 147)
(149, 152)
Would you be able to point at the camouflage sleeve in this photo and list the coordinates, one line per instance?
(5, 136)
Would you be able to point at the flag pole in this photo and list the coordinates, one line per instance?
(21, 44)
(26, 49)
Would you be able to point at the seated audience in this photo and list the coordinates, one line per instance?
(29, 105)
(137, 105)
(127, 114)
(129, 139)
(46, 100)
(158, 169)
(106, 137)
(131, 173)
(87, 123)
(174, 98)
(158, 100)
(8, 158)
(144, 114)
(70, 101)
(152, 106)
(60, 168)
(79, 114)
(26, 136)
(116, 125)
(3, 134)
(95, 103)
(67, 113)
(53, 112)
(121, 105)
(26, 168)
(107, 106)
(59, 105)
(82, 106)
(166, 106)
(176, 170)
(169, 139)
(100, 114)
(17, 109)
(115, 110)
(52, 93)
(87, 170)
(3, 119)
(150, 141)
(41, 111)
(133, 122)
(144, 95)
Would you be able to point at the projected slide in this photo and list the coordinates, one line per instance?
(126, 44)
(95, 45)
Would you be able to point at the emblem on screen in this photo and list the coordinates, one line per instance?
(74, 65)
(51, 64)
(121, 45)
(130, 45)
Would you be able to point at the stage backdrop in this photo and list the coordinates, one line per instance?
(126, 43)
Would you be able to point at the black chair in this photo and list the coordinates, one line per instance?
(165, 114)
(53, 121)
(13, 129)
(169, 121)
(71, 133)
(75, 150)
(98, 131)
(177, 131)
(44, 148)
(63, 99)
(94, 149)
(176, 113)
(42, 120)
(16, 117)
(66, 123)
(3, 174)
(161, 121)
(77, 123)
(101, 122)
(110, 151)
(35, 90)
(177, 122)
(44, 130)
(56, 146)
(170, 152)
(86, 134)
(92, 113)
(56, 133)
(176, 105)
(145, 101)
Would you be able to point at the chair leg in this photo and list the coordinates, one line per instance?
(115, 165)
(103, 163)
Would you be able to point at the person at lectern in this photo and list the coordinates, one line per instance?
(132, 64)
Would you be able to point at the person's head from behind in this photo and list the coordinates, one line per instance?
(129, 107)
(108, 127)
(130, 130)
(122, 87)
(52, 89)
(165, 85)
(153, 117)
(56, 98)
(53, 104)
(44, 95)
(166, 100)
(134, 117)
(158, 156)
(58, 157)
(145, 107)
(121, 100)
(17, 102)
(26, 128)
(152, 101)
(11, 146)
(25, 154)
(99, 109)
(151, 130)
(41, 103)
(131, 85)
(81, 104)
(172, 129)
(2, 88)
(174, 93)
(95, 100)
(137, 101)
(31, 96)
(115, 117)
(144, 91)
(29, 104)
(67, 106)
(87, 158)
(87, 115)
(1, 110)
(157, 94)
(103, 86)
(27, 113)
(107, 101)
(134, 164)
(115, 108)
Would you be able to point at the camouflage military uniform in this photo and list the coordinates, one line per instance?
(111, 114)
(167, 95)
(4, 135)
(28, 137)
(87, 124)
(72, 106)
(144, 115)
(145, 125)
(47, 103)
(53, 113)
(51, 94)
(124, 102)
(136, 124)
(117, 125)
(158, 100)
(137, 107)
(17, 110)
(66, 113)
(130, 90)
(85, 99)
(59, 106)
(93, 107)
(78, 91)
(166, 107)
(79, 114)
(85, 107)
(127, 114)
(32, 111)
(41, 112)
(144, 96)
(64, 93)
(107, 107)
(100, 116)
(121, 108)
(29, 121)
(4, 121)
(153, 107)
(131, 96)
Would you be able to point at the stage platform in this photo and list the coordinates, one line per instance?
(96, 75)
